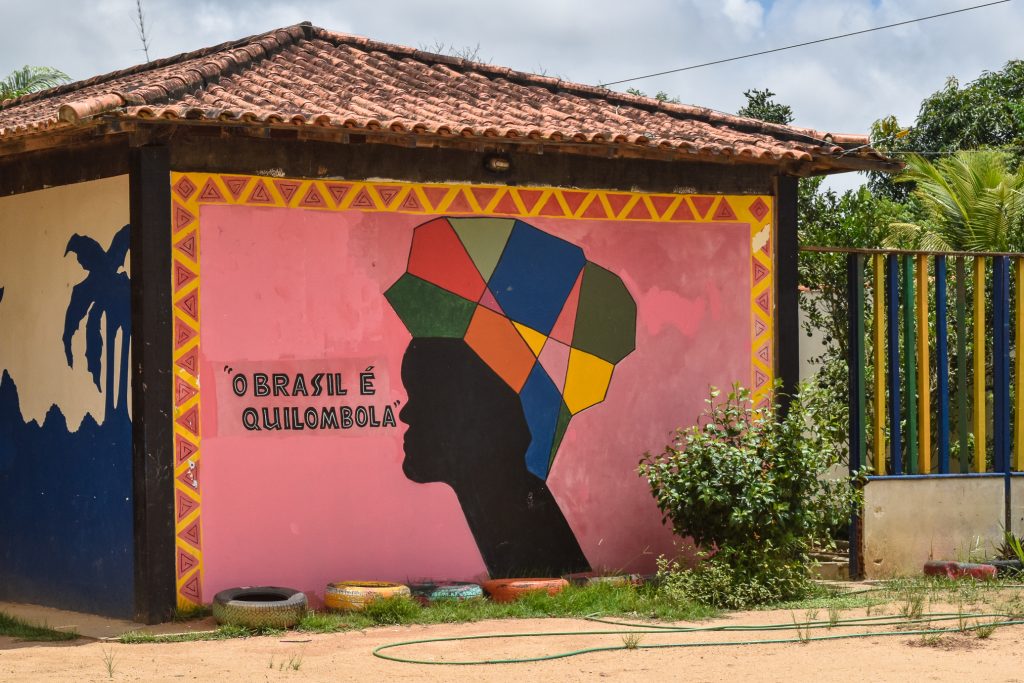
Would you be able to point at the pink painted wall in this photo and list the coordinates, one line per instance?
(287, 289)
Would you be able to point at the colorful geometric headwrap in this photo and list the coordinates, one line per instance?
(550, 323)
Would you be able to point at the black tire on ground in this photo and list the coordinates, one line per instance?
(1006, 567)
(259, 607)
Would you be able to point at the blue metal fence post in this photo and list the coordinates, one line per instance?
(893, 300)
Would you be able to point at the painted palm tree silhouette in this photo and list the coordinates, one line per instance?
(104, 294)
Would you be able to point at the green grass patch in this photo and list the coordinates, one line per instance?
(604, 599)
(221, 633)
(827, 597)
(907, 592)
(13, 627)
(941, 588)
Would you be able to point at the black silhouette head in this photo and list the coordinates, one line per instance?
(463, 419)
(466, 428)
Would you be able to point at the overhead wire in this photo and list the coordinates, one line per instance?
(804, 44)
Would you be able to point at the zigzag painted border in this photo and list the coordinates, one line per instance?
(192, 190)
(185, 200)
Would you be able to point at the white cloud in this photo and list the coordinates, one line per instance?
(841, 85)
(746, 14)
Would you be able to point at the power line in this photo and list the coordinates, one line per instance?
(810, 42)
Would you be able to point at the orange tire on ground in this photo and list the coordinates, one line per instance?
(353, 596)
(510, 590)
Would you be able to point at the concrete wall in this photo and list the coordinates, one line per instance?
(910, 521)
(65, 428)
(810, 346)
(1017, 505)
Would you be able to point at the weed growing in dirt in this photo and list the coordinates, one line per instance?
(13, 627)
(961, 618)
(803, 630)
(109, 661)
(632, 640)
(912, 604)
(833, 617)
(294, 662)
(985, 630)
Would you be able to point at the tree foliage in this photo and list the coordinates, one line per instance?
(825, 218)
(29, 79)
(971, 202)
(760, 105)
(988, 112)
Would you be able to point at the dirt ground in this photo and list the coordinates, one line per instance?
(347, 656)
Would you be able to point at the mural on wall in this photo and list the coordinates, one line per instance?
(65, 329)
(532, 343)
(514, 332)
(104, 296)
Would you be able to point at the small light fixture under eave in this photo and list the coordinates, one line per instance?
(497, 164)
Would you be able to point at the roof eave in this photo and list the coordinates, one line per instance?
(111, 122)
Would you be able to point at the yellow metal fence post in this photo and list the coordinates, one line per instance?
(979, 407)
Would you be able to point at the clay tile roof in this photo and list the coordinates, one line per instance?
(307, 76)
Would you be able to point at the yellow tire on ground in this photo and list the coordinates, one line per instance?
(353, 596)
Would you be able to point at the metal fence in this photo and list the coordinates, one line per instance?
(936, 373)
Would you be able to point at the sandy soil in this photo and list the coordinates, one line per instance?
(347, 656)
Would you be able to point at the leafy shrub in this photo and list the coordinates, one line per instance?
(715, 583)
(745, 485)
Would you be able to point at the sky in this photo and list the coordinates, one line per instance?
(839, 86)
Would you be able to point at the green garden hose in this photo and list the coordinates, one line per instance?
(634, 630)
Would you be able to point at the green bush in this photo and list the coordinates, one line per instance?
(745, 484)
(715, 583)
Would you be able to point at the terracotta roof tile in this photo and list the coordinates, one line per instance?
(304, 75)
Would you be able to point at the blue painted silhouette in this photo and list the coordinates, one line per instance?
(105, 291)
(66, 535)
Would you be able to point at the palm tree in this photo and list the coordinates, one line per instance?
(973, 203)
(105, 292)
(29, 79)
